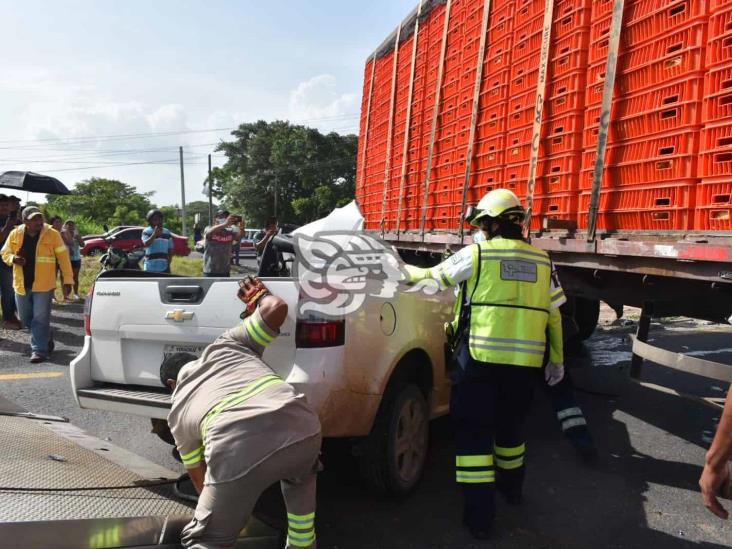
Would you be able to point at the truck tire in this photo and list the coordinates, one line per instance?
(586, 314)
(396, 449)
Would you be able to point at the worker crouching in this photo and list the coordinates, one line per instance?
(240, 428)
(508, 302)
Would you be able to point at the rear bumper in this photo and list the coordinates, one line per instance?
(319, 374)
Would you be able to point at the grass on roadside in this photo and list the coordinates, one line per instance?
(183, 266)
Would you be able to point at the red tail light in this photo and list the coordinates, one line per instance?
(87, 311)
(320, 333)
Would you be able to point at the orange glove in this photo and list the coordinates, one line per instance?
(251, 290)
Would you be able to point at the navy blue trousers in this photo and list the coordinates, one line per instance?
(489, 405)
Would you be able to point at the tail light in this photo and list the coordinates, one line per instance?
(87, 311)
(311, 334)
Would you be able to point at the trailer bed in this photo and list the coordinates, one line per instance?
(44, 462)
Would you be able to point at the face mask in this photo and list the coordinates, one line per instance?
(478, 236)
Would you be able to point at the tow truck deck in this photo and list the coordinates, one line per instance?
(62, 488)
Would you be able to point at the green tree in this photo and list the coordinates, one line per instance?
(304, 172)
(106, 201)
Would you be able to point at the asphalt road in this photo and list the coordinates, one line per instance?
(642, 494)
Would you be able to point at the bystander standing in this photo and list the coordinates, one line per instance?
(8, 221)
(34, 249)
(219, 238)
(262, 238)
(74, 243)
(238, 230)
(717, 475)
(158, 244)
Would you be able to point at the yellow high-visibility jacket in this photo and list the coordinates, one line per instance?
(50, 251)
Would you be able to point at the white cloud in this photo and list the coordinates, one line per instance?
(318, 98)
(168, 118)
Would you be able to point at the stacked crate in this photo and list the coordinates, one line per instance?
(454, 114)
(650, 176)
(560, 145)
(489, 150)
(376, 147)
(713, 196)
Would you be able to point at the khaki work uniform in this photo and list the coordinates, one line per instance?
(252, 429)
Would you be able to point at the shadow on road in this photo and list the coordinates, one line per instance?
(567, 503)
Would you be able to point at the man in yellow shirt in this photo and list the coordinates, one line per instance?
(34, 249)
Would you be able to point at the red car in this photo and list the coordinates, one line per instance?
(128, 240)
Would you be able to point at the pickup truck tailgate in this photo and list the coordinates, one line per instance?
(136, 322)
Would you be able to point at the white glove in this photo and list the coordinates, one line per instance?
(554, 373)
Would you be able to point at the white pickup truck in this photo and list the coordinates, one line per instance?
(376, 375)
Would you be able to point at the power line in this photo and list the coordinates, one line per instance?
(150, 135)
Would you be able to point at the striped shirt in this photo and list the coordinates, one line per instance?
(156, 255)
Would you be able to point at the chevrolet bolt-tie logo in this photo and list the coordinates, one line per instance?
(178, 315)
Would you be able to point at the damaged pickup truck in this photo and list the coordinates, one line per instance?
(376, 375)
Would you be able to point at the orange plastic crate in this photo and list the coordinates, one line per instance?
(568, 55)
(718, 94)
(568, 15)
(491, 120)
(716, 154)
(498, 55)
(666, 207)
(565, 94)
(719, 46)
(482, 182)
(653, 64)
(601, 9)
(495, 88)
(644, 21)
(643, 161)
(665, 109)
(489, 153)
(678, 195)
(713, 205)
(520, 110)
(558, 135)
(501, 21)
(556, 206)
(716, 5)
(553, 175)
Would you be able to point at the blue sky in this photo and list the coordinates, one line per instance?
(77, 75)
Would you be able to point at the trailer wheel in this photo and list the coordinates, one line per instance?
(396, 450)
(586, 315)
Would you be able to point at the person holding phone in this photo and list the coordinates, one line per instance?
(219, 239)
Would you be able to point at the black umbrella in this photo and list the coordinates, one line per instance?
(32, 182)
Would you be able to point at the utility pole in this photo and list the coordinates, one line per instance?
(275, 198)
(210, 194)
(183, 191)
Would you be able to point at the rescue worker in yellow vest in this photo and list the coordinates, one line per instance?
(508, 302)
(36, 250)
(239, 428)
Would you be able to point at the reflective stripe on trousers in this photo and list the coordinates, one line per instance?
(510, 458)
(474, 469)
(301, 529)
(571, 417)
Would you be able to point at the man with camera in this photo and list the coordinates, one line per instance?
(219, 239)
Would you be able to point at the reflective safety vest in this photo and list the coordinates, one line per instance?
(51, 251)
(509, 299)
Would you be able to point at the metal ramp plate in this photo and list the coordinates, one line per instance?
(57, 458)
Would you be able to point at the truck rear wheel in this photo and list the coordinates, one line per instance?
(396, 450)
(586, 314)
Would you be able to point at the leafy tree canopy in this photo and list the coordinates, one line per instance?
(297, 171)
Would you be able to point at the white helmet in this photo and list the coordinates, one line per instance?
(497, 203)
